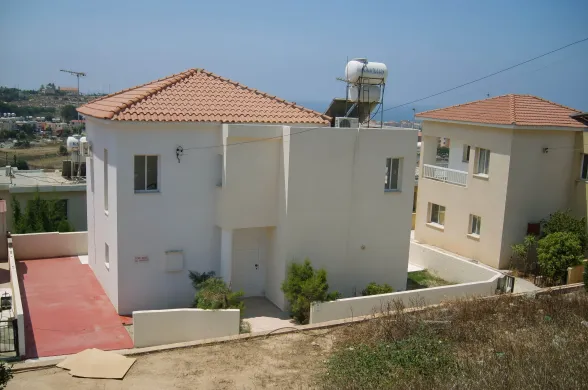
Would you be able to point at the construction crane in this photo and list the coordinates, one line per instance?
(77, 74)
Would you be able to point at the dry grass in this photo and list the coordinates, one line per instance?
(37, 157)
(521, 343)
(518, 343)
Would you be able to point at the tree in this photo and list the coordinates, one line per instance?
(558, 251)
(563, 221)
(68, 112)
(40, 215)
(304, 285)
(21, 164)
(62, 150)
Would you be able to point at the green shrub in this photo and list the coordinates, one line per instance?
(563, 221)
(5, 374)
(558, 251)
(304, 285)
(212, 293)
(374, 289)
(521, 258)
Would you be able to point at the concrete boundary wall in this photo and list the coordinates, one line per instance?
(49, 245)
(17, 300)
(158, 327)
(362, 306)
(449, 266)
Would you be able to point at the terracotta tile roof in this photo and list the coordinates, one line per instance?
(520, 110)
(197, 95)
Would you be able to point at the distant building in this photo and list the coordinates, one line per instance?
(513, 160)
(23, 185)
(69, 90)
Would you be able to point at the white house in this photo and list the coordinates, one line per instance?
(195, 172)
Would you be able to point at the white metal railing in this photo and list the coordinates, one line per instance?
(447, 175)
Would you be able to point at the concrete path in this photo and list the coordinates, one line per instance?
(523, 285)
(263, 315)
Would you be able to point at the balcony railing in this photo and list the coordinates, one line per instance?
(447, 175)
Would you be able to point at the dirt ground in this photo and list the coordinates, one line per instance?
(288, 361)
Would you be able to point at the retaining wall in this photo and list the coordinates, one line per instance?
(448, 266)
(16, 299)
(158, 327)
(49, 245)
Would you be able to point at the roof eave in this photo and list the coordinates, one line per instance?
(504, 126)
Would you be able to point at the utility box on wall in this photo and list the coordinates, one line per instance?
(174, 260)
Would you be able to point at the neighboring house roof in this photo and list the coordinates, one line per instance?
(68, 89)
(197, 95)
(38, 180)
(520, 110)
(581, 117)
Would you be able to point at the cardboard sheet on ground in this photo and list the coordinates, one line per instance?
(95, 363)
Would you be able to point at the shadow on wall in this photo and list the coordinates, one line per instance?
(31, 346)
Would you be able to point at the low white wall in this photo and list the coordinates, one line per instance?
(159, 327)
(362, 306)
(49, 245)
(447, 266)
(16, 299)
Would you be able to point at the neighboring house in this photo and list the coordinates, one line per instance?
(195, 172)
(51, 185)
(513, 160)
(69, 90)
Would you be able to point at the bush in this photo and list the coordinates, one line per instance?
(374, 289)
(62, 150)
(5, 374)
(212, 293)
(558, 251)
(304, 285)
(522, 258)
(563, 221)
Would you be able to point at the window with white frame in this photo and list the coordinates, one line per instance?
(466, 153)
(146, 173)
(584, 171)
(482, 161)
(393, 169)
(436, 214)
(475, 224)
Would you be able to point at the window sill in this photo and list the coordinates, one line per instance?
(473, 236)
(481, 176)
(147, 191)
(107, 265)
(392, 190)
(436, 226)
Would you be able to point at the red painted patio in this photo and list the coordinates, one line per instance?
(66, 309)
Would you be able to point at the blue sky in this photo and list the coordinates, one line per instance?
(296, 49)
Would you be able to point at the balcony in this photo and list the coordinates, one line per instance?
(447, 175)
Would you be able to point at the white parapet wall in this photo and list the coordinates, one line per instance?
(159, 327)
(17, 300)
(363, 306)
(49, 245)
(447, 265)
(475, 280)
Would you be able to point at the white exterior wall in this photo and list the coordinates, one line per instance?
(102, 225)
(524, 185)
(319, 195)
(483, 197)
(456, 156)
(336, 205)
